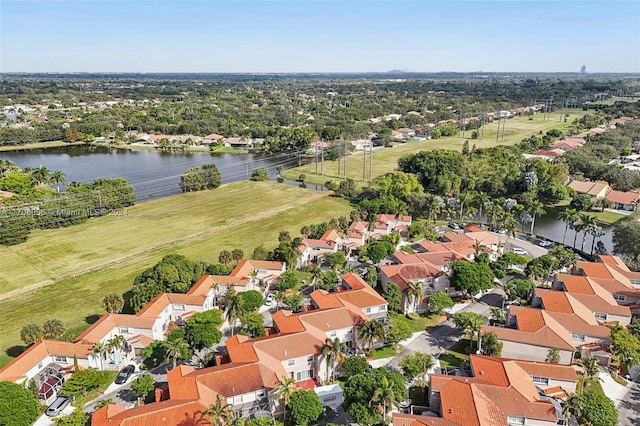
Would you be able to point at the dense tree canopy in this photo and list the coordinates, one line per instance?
(471, 277)
(18, 405)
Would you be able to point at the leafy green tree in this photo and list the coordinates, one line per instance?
(370, 331)
(155, 352)
(18, 405)
(143, 385)
(470, 277)
(626, 239)
(329, 280)
(353, 365)
(31, 333)
(393, 296)
(113, 303)
(469, 323)
(251, 300)
(83, 381)
(53, 329)
(491, 345)
(581, 202)
(288, 281)
(415, 364)
(293, 301)
(399, 184)
(176, 349)
(398, 330)
(218, 414)
(260, 174)
(360, 388)
(553, 356)
(518, 289)
(305, 407)
(202, 329)
(253, 324)
(200, 178)
(597, 409)
(77, 418)
(335, 260)
(385, 394)
(372, 276)
(625, 346)
(286, 388)
(225, 257)
(237, 255)
(378, 250)
(439, 301)
(260, 253)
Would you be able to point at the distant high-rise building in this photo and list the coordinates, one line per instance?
(583, 70)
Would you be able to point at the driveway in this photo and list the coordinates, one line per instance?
(629, 405)
(444, 335)
(531, 246)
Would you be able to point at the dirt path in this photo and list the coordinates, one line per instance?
(172, 243)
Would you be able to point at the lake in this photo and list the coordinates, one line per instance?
(156, 174)
(152, 173)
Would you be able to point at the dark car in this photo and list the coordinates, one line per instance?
(124, 374)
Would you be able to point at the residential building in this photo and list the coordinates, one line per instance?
(627, 201)
(593, 189)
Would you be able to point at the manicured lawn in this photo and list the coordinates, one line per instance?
(51, 144)
(457, 355)
(422, 322)
(108, 378)
(81, 264)
(605, 217)
(384, 352)
(385, 160)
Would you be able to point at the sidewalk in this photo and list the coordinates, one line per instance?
(611, 388)
(375, 363)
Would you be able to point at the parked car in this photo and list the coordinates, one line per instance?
(520, 251)
(58, 405)
(455, 226)
(124, 374)
(270, 299)
(544, 243)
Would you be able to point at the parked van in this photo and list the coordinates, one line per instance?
(58, 405)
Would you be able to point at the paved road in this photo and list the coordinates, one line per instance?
(442, 336)
(629, 407)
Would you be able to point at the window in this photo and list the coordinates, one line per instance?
(237, 399)
(304, 375)
(60, 358)
(516, 420)
(291, 362)
(600, 316)
(367, 310)
(164, 327)
(635, 282)
(540, 380)
(383, 308)
(620, 297)
(310, 358)
(578, 336)
(124, 330)
(261, 393)
(40, 365)
(332, 334)
(179, 307)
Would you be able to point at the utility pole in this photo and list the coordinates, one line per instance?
(364, 162)
(322, 160)
(370, 161)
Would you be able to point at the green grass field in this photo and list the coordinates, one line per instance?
(385, 160)
(65, 273)
(36, 145)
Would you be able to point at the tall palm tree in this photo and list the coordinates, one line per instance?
(174, 349)
(337, 347)
(586, 222)
(568, 216)
(235, 310)
(590, 370)
(99, 349)
(535, 208)
(596, 232)
(286, 388)
(116, 343)
(478, 247)
(57, 177)
(41, 174)
(386, 394)
(511, 226)
(371, 331)
(573, 405)
(481, 198)
(219, 414)
(432, 207)
(463, 199)
(414, 293)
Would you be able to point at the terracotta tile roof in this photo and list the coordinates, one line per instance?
(590, 188)
(403, 274)
(16, 369)
(554, 301)
(155, 306)
(544, 369)
(170, 412)
(401, 419)
(285, 322)
(240, 349)
(613, 260)
(236, 379)
(386, 218)
(623, 197)
(575, 283)
(288, 346)
(323, 244)
(325, 300)
(456, 237)
(530, 320)
(601, 304)
(328, 320)
(461, 403)
(354, 281)
(108, 322)
(244, 267)
(331, 235)
(594, 269)
(581, 324)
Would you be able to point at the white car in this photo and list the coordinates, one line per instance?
(545, 243)
(269, 300)
(520, 251)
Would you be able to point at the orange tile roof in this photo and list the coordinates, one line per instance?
(288, 346)
(240, 349)
(155, 306)
(456, 237)
(354, 281)
(621, 197)
(575, 283)
(594, 269)
(613, 260)
(170, 412)
(285, 322)
(554, 301)
(401, 419)
(245, 267)
(530, 320)
(17, 368)
(108, 322)
(325, 300)
(328, 320)
(236, 379)
(544, 369)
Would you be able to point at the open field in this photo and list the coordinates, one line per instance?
(36, 145)
(385, 160)
(64, 273)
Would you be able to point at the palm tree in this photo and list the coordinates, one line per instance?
(536, 208)
(414, 293)
(327, 354)
(235, 310)
(99, 349)
(432, 207)
(116, 343)
(385, 394)
(586, 222)
(57, 177)
(568, 216)
(511, 226)
(370, 331)
(174, 349)
(596, 232)
(573, 405)
(218, 414)
(478, 247)
(286, 388)
(41, 174)
(481, 198)
(463, 199)
(316, 274)
(337, 347)
(590, 370)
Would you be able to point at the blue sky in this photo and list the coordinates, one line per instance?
(319, 36)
